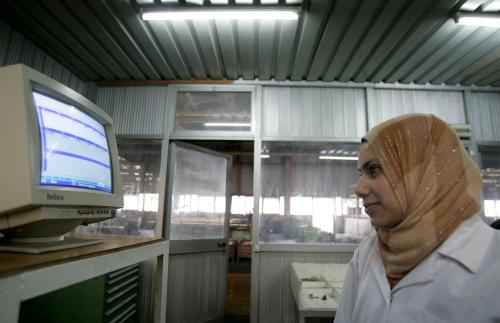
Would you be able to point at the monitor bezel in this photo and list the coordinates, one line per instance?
(67, 195)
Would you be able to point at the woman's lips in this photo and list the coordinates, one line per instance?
(369, 207)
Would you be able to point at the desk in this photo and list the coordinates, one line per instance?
(316, 288)
(315, 307)
(24, 276)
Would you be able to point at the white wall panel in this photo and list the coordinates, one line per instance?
(135, 110)
(313, 112)
(190, 277)
(385, 104)
(276, 301)
(484, 115)
(16, 49)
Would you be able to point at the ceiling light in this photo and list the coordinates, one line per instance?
(222, 14)
(265, 156)
(226, 124)
(478, 19)
(338, 157)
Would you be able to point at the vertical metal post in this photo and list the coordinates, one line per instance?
(254, 298)
(160, 307)
(370, 103)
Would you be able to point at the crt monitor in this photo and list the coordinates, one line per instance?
(59, 165)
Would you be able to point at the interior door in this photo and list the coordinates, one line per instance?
(197, 227)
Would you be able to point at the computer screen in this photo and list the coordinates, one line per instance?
(74, 148)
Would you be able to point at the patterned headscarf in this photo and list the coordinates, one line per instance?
(435, 181)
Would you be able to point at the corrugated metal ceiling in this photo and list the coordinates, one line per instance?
(343, 40)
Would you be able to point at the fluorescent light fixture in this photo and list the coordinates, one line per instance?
(471, 5)
(478, 19)
(226, 124)
(222, 14)
(265, 156)
(338, 157)
(492, 6)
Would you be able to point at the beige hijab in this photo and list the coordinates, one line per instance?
(435, 181)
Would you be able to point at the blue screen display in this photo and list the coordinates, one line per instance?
(74, 149)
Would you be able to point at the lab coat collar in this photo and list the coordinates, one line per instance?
(419, 275)
(468, 244)
(422, 273)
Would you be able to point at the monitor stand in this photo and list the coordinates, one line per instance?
(41, 247)
(44, 229)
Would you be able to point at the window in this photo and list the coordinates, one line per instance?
(140, 172)
(490, 173)
(241, 205)
(220, 111)
(308, 193)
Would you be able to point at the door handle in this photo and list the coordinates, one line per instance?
(221, 243)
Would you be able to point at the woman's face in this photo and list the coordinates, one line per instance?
(379, 199)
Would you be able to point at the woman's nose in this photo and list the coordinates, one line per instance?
(362, 189)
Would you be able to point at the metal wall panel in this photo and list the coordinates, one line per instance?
(16, 49)
(135, 110)
(313, 112)
(276, 301)
(385, 104)
(187, 301)
(484, 115)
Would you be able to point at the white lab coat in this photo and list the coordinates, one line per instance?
(458, 282)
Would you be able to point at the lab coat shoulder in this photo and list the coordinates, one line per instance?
(350, 287)
(458, 282)
(465, 287)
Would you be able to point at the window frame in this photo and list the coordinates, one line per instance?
(262, 246)
(173, 134)
(479, 161)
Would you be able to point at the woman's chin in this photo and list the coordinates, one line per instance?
(386, 225)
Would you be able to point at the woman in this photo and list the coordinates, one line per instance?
(431, 257)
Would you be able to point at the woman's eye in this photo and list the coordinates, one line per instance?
(374, 170)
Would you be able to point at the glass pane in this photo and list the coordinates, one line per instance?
(240, 218)
(490, 172)
(198, 196)
(308, 193)
(226, 111)
(140, 172)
